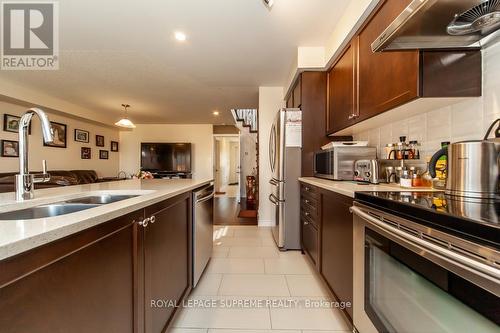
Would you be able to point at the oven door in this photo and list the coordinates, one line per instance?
(408, 278)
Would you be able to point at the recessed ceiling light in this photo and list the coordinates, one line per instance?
(215, 113)
(180, 36)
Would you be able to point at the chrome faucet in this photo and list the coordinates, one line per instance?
(24, 180)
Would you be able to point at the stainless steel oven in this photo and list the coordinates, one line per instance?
(412, 278)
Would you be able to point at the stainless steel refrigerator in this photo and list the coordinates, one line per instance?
(284, 157)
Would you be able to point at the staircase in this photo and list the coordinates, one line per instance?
(247, 120)
(247, 117)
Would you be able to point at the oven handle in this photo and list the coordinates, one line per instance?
(450, 256)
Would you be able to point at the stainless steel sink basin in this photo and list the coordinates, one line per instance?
(45, 211)
(64, 207)
(101, 199)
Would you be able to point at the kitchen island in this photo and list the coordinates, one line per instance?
(102, 269)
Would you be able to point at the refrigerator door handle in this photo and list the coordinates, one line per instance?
(274, 200)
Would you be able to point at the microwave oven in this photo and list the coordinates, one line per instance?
(338, 163)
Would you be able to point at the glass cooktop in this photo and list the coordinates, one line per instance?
(476, 217)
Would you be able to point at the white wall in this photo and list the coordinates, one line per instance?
(61, 158)
(200, 136)
(466, 120)
(270, 101)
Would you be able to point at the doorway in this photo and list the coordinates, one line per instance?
(227, 166)
(229, 182)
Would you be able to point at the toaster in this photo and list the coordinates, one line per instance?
(366, 171)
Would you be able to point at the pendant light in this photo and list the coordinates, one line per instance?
(125, 122)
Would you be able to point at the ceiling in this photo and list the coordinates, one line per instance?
(124, 51)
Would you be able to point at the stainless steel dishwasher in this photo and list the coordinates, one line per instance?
(203, 221)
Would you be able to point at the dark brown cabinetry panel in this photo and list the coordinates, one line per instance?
(104, 278)
(343, 90)
(297, 93)
(289, 101)
(386, 79)
(83, 283)
(313, 106)
(336, 245)
(310, 222)
(310, 240)
(167, 266)
(381, 81)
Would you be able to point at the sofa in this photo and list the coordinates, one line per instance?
(57, 178)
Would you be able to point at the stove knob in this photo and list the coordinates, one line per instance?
(368, 174)
(356, 173)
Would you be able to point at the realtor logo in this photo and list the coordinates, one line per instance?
(30, 35)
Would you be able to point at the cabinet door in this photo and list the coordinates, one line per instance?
(336, 245)
(83, 283)
(386, 79)
(297, 94)
(342, 90)
(167, 243)
(310, 240)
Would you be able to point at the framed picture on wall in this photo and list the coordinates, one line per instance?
(11, 123)
(60, 135)
(99, 141)
(103, 154)
(114, 146)
(82, 136)
(86, 153)
(10, 148)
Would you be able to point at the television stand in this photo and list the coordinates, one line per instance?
(171, 175)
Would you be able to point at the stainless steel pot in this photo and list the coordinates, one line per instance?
(472, 168)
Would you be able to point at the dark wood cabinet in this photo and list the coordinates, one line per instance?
(363, 83)
(167, 250)
(336, 245)
(82, 283)
(297, 93)
(310, 223)
(103, 279)
(309, 94)
(386, 79)
(343, 90)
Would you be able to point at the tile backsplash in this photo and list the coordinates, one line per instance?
(466, 120)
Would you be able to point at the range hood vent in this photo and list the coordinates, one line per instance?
(440, 24)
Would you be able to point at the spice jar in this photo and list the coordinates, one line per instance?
(405, 180)
(389, 150)
(416, 179)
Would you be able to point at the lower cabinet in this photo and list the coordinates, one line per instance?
(167, 273)
(336, 240)
(102, 279)
(310, 241)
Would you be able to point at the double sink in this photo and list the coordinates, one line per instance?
(64, 207)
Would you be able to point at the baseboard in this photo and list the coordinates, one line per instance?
(266, 223)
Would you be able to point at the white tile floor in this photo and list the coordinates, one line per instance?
(256, 288)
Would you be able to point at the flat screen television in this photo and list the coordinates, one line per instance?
(166, 157)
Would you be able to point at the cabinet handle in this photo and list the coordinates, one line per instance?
(306, 201)
(351, 116)
(144, 222)
(307, 214)
(306, 188)
(306, 223)
(152, 219)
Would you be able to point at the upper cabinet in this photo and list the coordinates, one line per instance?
(386, 79)
(309, 94)
(362, 84)
(342, 90)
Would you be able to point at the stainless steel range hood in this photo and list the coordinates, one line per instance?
(440, 24)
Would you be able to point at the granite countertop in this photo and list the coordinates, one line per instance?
(349, 188)
(17, 236)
